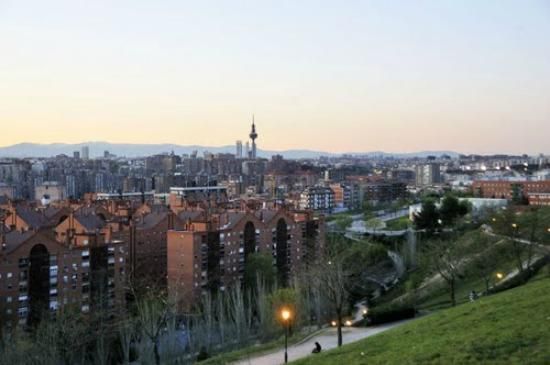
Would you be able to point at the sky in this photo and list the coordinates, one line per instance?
(338, 76)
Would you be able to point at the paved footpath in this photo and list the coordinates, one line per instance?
(327, 339)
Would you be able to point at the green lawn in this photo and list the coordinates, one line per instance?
(512, 327)
(398, 224)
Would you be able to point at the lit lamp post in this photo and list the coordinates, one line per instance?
(515, 235)
(285, 315)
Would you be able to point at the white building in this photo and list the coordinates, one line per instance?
(49, 191)
(428, 174)
(317, 198)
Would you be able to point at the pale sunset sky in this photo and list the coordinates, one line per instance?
(340, 76)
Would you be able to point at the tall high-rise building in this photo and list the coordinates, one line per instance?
(247, 148)
(239, 149)
(85, 154)
(253, 135)
(76, 155)
(70, 186)
(428, 174)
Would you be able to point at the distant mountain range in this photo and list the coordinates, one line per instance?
(136, 150)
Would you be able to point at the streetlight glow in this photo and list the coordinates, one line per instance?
(499, 275)
(285, 314)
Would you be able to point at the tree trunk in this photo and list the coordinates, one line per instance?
(339, 312)
(530, 253)
(517, 251)
(156, 351)
(318, 309)
(519, 263)
(487, 279)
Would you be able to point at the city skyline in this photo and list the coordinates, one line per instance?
(402, 77)
(260, 181)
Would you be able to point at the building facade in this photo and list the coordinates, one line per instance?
(317, 198)
(428, 174)
(212, 254)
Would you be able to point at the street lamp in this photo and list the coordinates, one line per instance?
(499, 275)
(285, 315)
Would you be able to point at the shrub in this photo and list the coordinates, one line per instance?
(390, 313)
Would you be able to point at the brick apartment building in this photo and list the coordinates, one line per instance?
(533, 191)
(85, 254)
(346, 195)
(148, 245)
(38, 274)
(538, 198)
(212, 253)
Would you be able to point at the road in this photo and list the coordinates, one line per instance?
(358, 224)
(327, 339)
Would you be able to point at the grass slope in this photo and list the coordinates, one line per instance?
(256, 350)
(508, 328)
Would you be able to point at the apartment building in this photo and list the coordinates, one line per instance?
(533, 191)
(317, 198)
(211, 254)
(40, 274)
(428, 174)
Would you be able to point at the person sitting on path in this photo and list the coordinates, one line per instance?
(317, 348)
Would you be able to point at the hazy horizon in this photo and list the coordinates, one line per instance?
(470, 77)
(274, 150)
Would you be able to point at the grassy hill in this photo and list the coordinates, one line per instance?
(508, 328)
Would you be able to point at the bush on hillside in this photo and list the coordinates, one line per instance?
(390, 313)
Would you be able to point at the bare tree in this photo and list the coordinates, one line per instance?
(331, 276)
(446, 258)
(506, 224)
(152, 315)
(487, 259)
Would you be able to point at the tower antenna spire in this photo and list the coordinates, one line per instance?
(253, 135)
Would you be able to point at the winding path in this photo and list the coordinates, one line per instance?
(327, 339)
